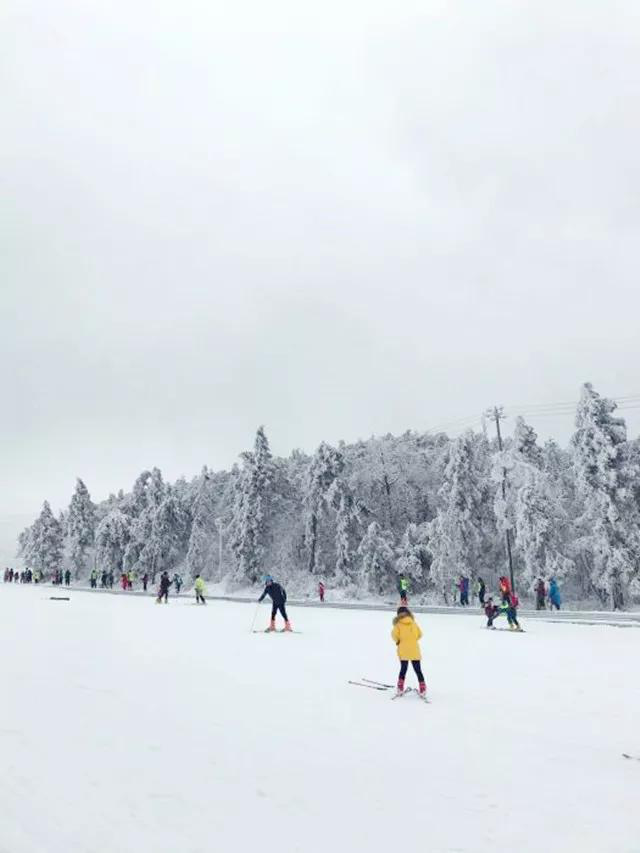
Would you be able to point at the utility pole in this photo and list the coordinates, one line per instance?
(497, 415)
(219, 526)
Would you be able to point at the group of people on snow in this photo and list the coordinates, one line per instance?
(508, 606)
(59, 577)
(26, 576)
(550, 594)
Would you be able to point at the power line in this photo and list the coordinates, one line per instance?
(628, 402)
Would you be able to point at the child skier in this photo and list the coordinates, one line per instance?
(406, 635)
(278, 596)
(321, 592)
(200, 589)
(491, 612)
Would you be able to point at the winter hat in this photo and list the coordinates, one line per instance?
(401, 613)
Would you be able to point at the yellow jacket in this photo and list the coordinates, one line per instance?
(199, 586)
(406, 633)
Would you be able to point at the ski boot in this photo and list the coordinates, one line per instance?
(400, 687)
(272, 627)
(287, 626)
(422, 690)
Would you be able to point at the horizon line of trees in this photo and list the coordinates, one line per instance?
(427, 507)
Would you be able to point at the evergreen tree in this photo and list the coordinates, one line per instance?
(149, 491)
(252, 509)
(529, 507)
(413, 555)
(80, 526)
(538, 521)
(169, 535)
(608, 547)
(455, 534)
(47, 541)
(344, 574)
(325, 467)
(203, 528)
(525, 443)
(26, 544)
(376, 556)
(112, 537)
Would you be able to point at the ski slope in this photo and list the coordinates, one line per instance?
(128, 727)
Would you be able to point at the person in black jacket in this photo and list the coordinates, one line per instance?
(163, 592)
(278, 596)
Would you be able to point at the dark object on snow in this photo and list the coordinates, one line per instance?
(59, 598)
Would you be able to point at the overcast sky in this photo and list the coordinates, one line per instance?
(336, 219)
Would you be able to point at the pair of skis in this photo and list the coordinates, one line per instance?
(276, 631)
(380, 685)
(372, 685)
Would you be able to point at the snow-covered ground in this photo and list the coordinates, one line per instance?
(129, 726)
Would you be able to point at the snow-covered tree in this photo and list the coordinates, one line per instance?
(608, 547)
(325, 467)
(250, 526)
(344, 570)
(149, 491)
(169, 535)
(203, 529)
(46, 541)
(538, 521)
(525, 443)
(112, 537)
(528, 503)
(413, 554)
(81, 523)
(376, 560)
(455, 534)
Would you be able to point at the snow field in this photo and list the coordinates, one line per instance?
(129, 726)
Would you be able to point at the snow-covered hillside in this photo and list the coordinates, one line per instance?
(127, 726)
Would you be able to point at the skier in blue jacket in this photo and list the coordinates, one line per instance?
(554, 594)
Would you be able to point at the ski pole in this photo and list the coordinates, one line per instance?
(254, 618)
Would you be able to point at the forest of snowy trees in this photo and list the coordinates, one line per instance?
(356, 516)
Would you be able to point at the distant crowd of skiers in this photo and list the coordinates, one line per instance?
(107, 580)
(29, 576)
(545, 595)
(461, 586)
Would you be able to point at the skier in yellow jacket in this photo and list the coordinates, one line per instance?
(200, 590)
(406, 635)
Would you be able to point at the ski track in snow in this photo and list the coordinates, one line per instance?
(128, 726)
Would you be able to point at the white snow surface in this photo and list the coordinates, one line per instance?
(130, 726)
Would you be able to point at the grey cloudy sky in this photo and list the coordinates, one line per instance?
(336, 219)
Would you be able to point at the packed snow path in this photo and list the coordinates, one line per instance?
(131, 727)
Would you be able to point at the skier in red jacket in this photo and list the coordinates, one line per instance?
(505, 589)
(321, 591)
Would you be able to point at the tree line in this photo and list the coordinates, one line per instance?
(427, 507)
